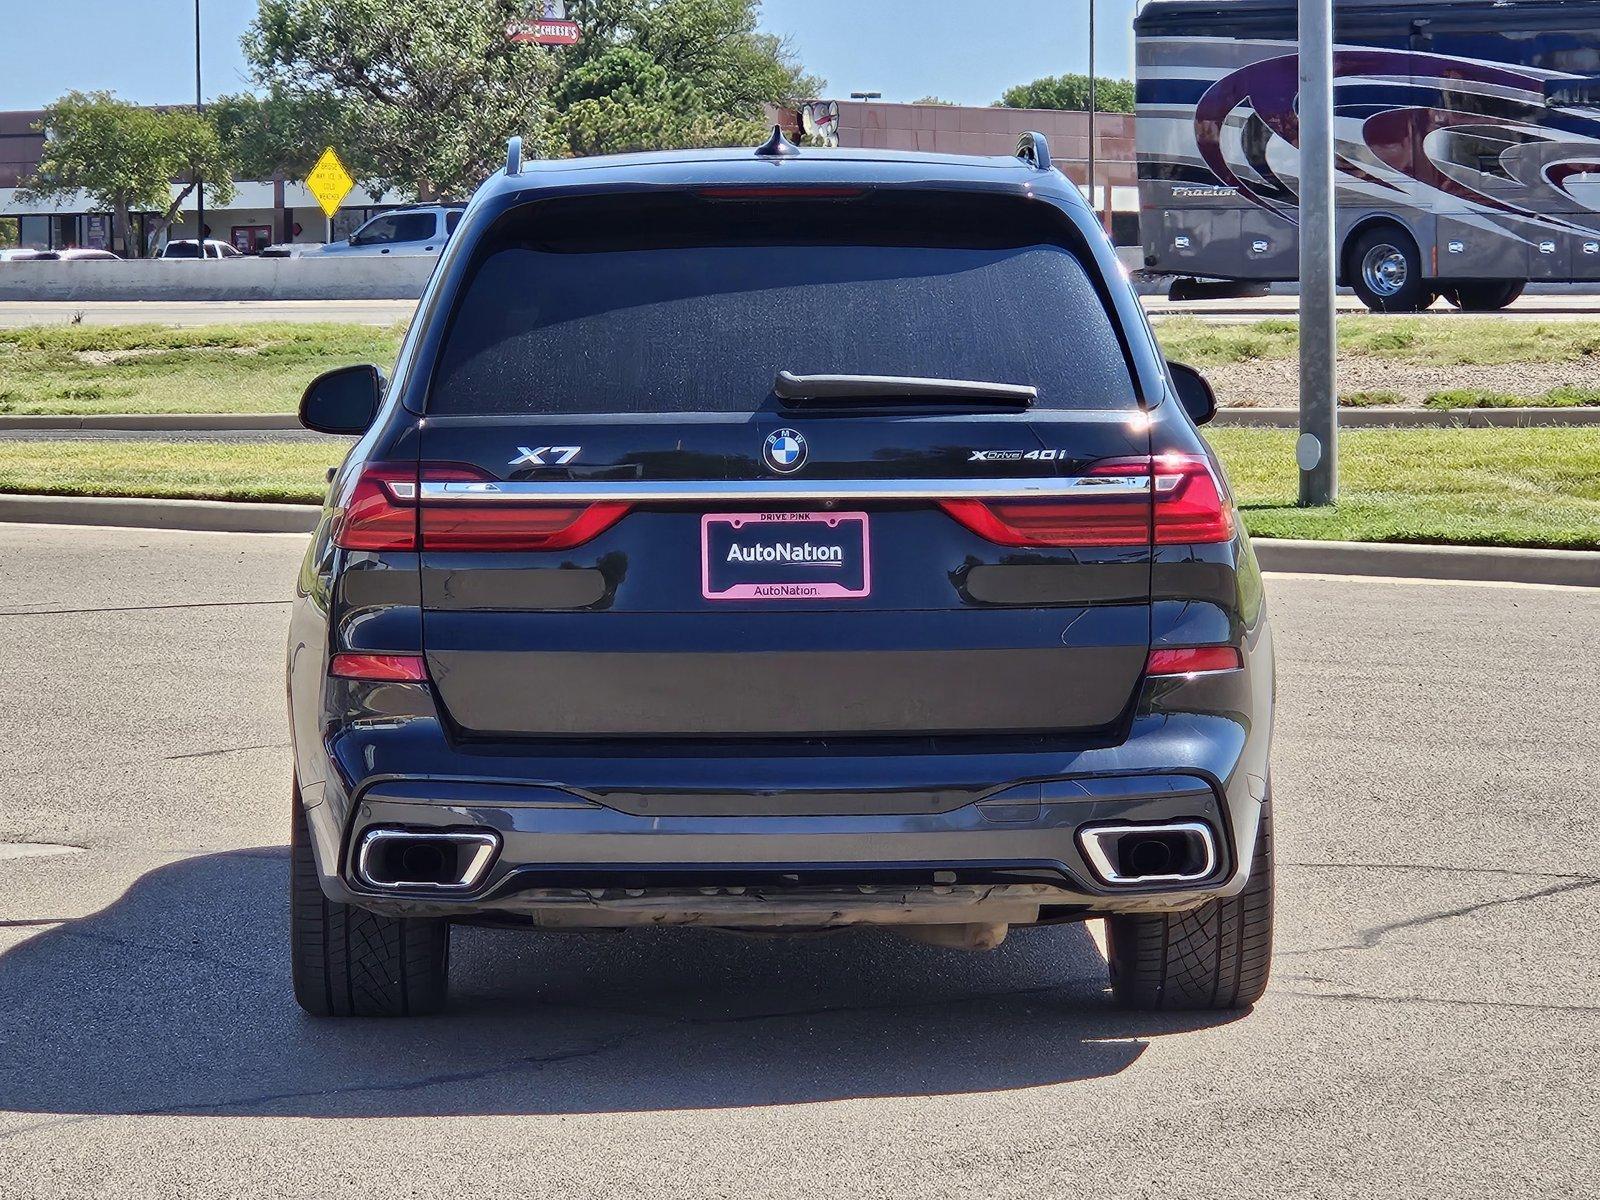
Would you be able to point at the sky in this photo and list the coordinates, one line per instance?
(966, 52)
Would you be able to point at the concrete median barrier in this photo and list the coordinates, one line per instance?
(353, 277)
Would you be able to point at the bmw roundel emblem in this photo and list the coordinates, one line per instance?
(785, 450)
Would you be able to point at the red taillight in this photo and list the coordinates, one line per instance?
(462, 525)
(1189, 508)
(1192, 660)
(1054, 522)
(379, 668)
(1190, 505)
(380, 511)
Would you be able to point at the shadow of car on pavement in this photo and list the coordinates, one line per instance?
(176, 999)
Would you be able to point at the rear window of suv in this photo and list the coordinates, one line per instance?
(685, 303)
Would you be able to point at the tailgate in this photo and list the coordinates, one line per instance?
(746, 604)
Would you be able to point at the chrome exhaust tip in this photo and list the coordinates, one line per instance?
(1135, 855)
(395, 860)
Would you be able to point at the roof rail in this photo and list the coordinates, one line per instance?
(514, 157)
(1033, 148)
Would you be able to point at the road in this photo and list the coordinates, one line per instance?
(1552, 304)
(1433, 1027)
(1561, 304)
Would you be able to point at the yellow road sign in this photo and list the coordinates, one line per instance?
(329, 182)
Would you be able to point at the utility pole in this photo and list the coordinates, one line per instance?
(199, 183)
(1317, 451)
(1092, 203)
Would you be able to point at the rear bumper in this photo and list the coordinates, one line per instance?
(561, 855)
(798, 832)
(829, 838)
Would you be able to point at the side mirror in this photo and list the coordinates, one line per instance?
(1194, 393)
(343, 400)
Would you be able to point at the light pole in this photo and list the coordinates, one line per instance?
(199, 183)
(866, 95)
(1317, 451)
(1091, 110)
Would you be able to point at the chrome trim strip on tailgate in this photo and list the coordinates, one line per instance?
(760, 491)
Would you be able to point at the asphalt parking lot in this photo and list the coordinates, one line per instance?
(1433, 1029)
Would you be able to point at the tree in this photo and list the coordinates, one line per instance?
(430, 89)
(282, 133)
(1070, 92)
(625, 100)
(126, 158)
(935, 100)
(722, 69)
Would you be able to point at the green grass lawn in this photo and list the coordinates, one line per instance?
(1480, 487)
(1452, 341)
(1488, 487)
(87, 369)
(82, 369)
(288, 472)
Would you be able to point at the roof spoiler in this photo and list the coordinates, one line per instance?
(1032, 148)
(514, 157)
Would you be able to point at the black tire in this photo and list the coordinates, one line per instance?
(1216, 956)
(348, 962)
(1484, 297)
(1384, 268)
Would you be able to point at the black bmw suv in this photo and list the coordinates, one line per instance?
(779, 538)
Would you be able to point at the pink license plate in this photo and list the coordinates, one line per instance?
(785, 556)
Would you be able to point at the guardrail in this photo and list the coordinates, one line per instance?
(354, 277)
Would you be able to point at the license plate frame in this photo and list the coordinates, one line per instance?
(796, 577)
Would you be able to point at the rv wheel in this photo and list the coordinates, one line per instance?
(1385, 269)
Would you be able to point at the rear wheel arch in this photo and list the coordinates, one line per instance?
(1381, 260)
(1365, 225)
(348, 962)
(1217, 956)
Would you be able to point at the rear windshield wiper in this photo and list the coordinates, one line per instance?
(910, 389)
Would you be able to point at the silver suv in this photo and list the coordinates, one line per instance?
(403, 231)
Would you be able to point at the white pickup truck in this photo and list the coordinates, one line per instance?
(401, 232)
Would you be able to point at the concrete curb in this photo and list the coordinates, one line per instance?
(1414, 418)
(1574, 568)
(204, 515)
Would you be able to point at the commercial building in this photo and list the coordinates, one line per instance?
(261, 212)
(264, 212)
(956, 129)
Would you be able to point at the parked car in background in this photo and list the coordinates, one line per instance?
(70, 254)
(404, 231)
(185, 248)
